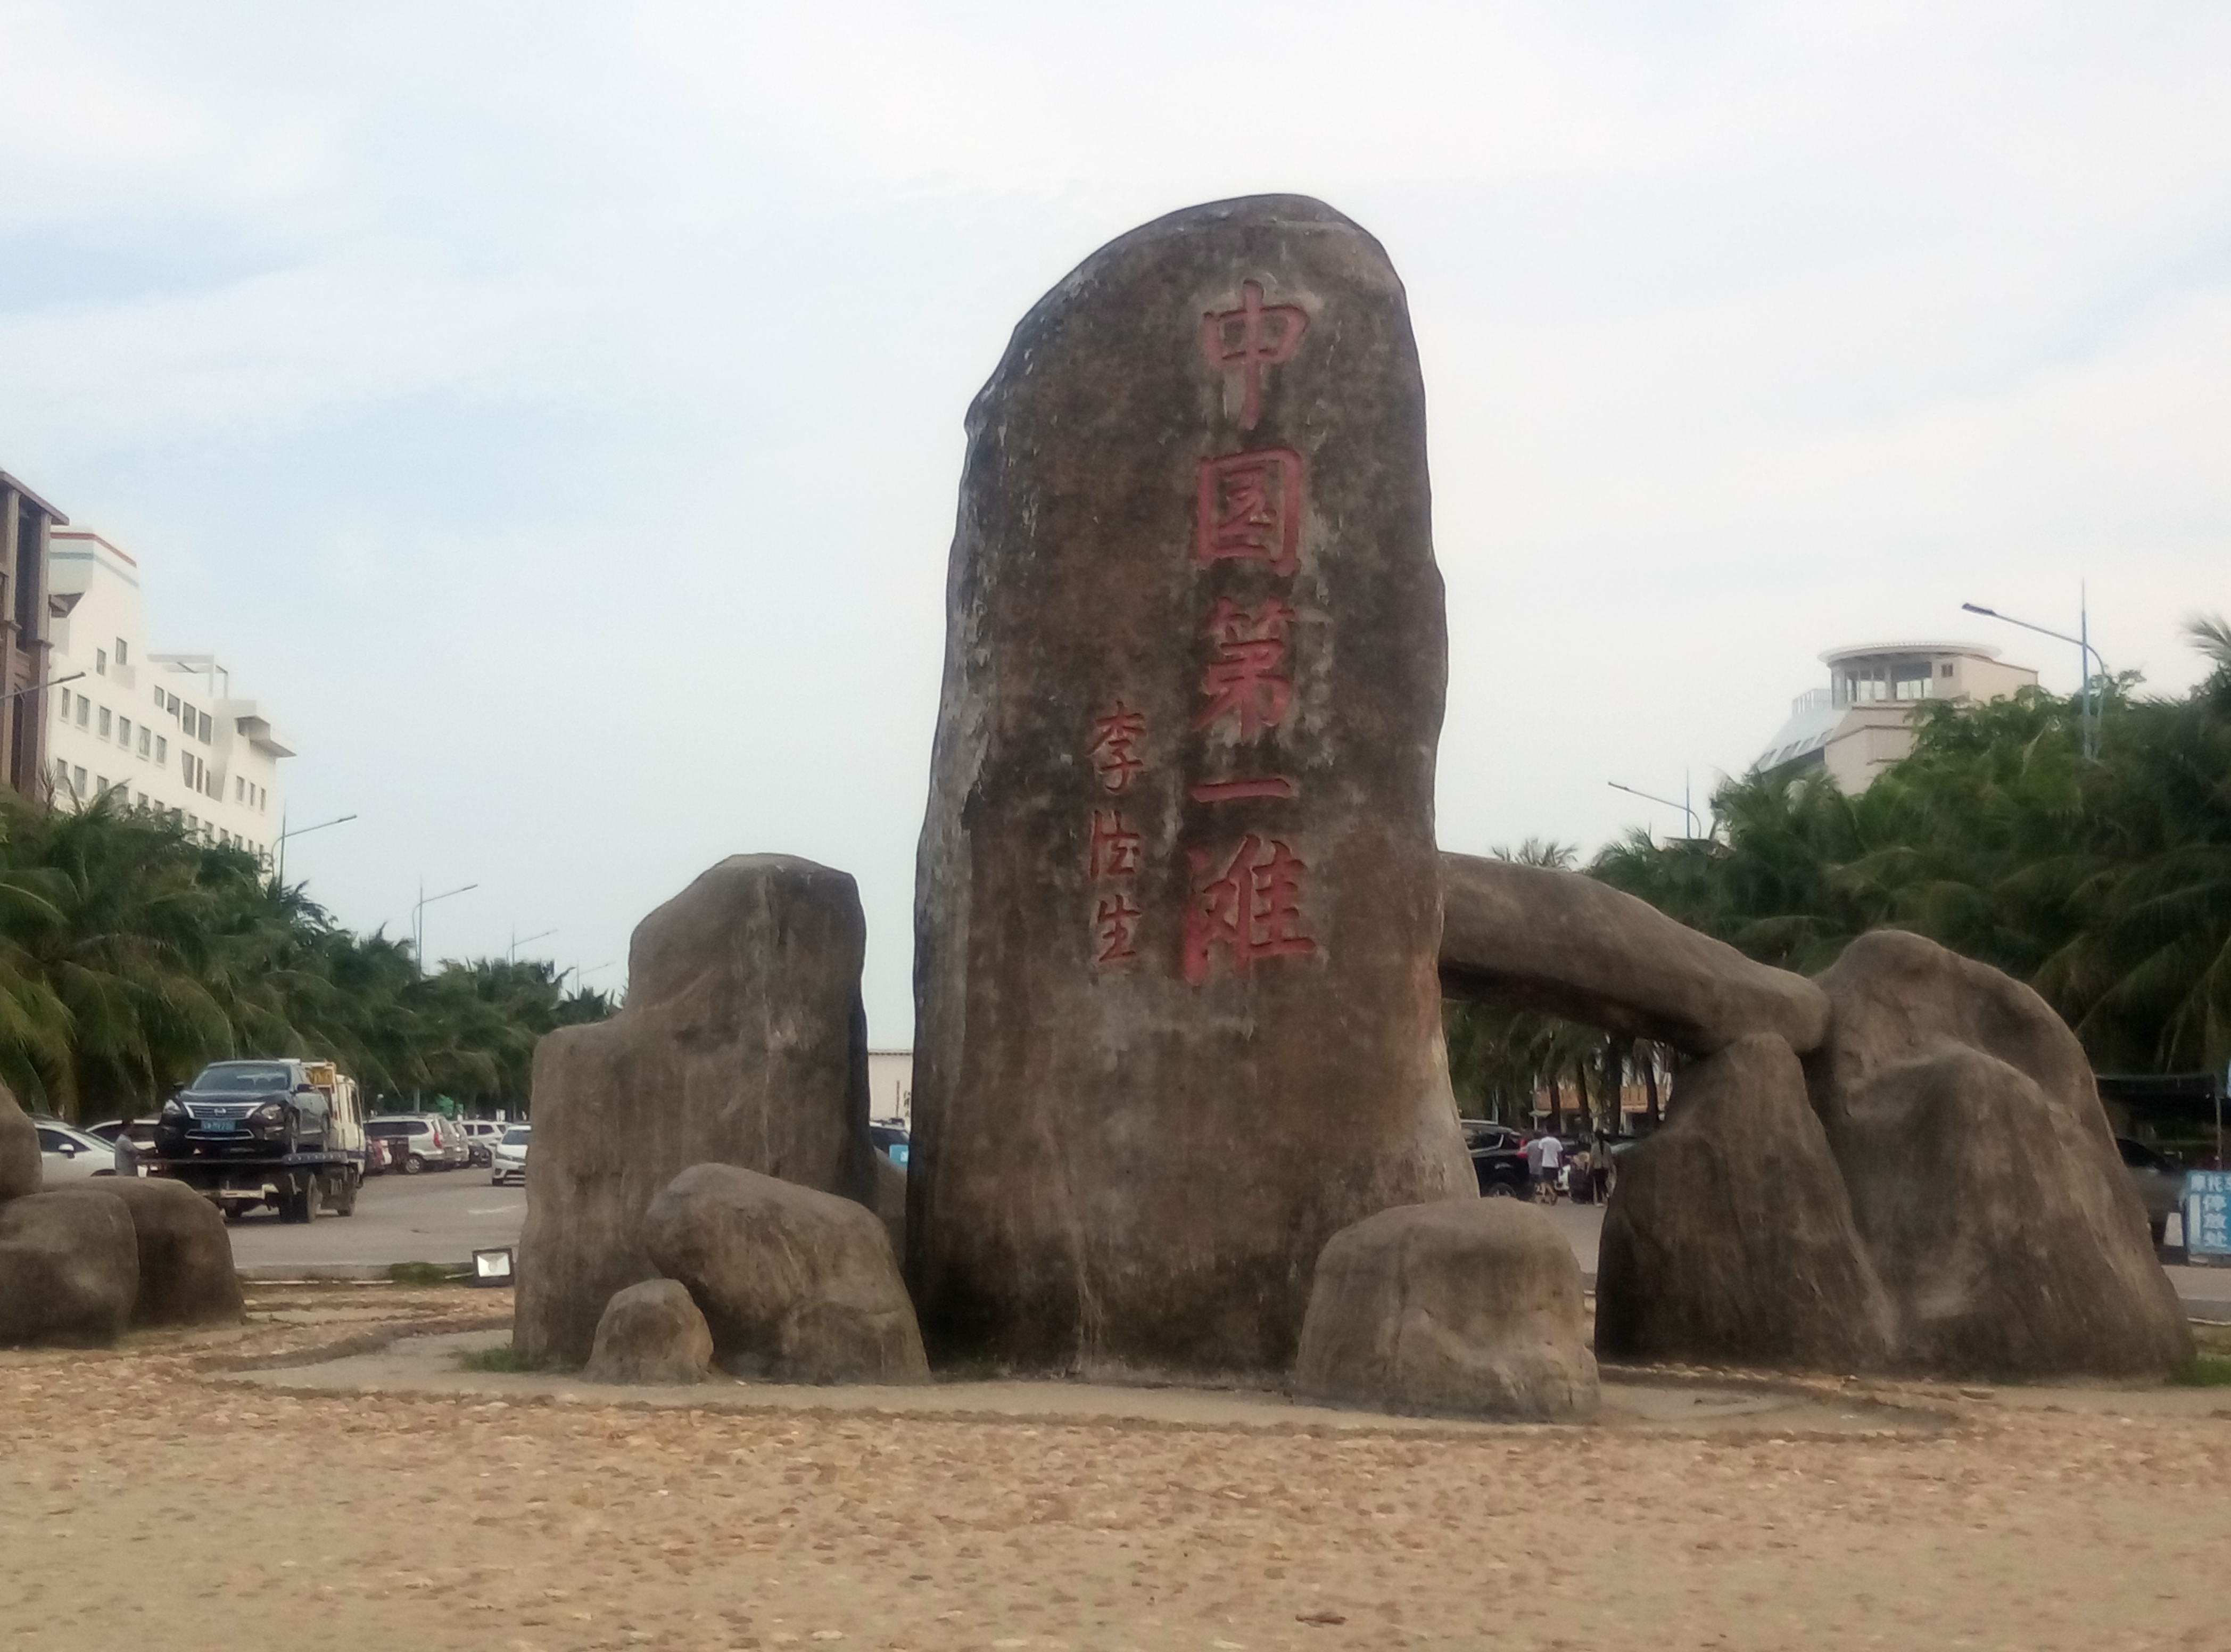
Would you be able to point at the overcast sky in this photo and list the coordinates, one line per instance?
(554, 411)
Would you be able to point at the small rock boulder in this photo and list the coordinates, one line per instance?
(187, 1272)
(1730, 1239)
(1464, 1307)
(651, 1334)
(21, 1171)
(797, 1286)
(70, 1268)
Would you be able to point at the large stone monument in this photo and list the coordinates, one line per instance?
(742, 1042)
(1177, 899)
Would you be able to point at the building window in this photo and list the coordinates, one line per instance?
(104, 722)
(101, 784)
(172, 708)
(145, 736)
(162, 751)
(77, 782)
(84, 710)
(204, 734)
(100, 662)
(1945, 669)
(124, 732)
(123, 652)
(61, 773)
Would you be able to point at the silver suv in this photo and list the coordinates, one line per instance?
(423, 1141)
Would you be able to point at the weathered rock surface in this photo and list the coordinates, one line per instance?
(1537, 938)
(651, 1334)
(742, 1042)
(1460, 1307)
(70, 1268)
(1178, 897)
(1731, 1240)
(187, 1272)
(1982, 1174)
(2008, 1253)
(891, 1203)
(797, 1285)
(21, 1171)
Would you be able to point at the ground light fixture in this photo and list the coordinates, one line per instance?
(493, 1267)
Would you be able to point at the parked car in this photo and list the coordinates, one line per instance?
(381, 1154)
(1498, 1158)
(894, 1141)
(423, 1139)
(141, 1133)
(68, 1154)
(507, 1158)
(2159, 1179)
(481, 1135)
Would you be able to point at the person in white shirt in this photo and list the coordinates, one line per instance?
(1543, 1155)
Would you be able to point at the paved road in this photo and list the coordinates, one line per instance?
(442, 1216)
(445, 1215)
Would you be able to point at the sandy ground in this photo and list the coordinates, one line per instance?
(151, 1498)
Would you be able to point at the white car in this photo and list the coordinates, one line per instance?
(67, 1154)
(508, 1157)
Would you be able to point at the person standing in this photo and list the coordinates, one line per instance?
(1544, 1154)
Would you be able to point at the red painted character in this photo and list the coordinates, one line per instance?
(1249, 505)
(1244, 679)
(1115, 926)
(1251, 909)
(1114, 851)
(1255, 336)
(1113, 751)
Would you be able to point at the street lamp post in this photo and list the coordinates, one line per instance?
(1683, 805)
(285, 833)
(418, 920)
(2086, 658)
(516, 942)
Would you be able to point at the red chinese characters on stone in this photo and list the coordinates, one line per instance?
(1116, 931)
(1116, 737)
(1250, 339)
(1250, 506)
(1249, 908)
(1245, 679)
(1114, 851)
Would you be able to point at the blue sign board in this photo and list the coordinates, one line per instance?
(2208, 1213)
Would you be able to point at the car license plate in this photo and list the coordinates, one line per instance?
(220, 1126)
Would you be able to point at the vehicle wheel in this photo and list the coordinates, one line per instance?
(2158, 1226)
(412, 1164)
(314, 1195)
(351, 1182)
(1499, 1190)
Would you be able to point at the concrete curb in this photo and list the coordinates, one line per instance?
(301, 1272)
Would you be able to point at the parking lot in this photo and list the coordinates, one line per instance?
(440, 1217)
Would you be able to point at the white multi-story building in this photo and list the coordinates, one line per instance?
(1862, 723)
(162, 731)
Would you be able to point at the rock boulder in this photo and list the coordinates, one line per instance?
(1537, 938)
(2010, 1250)
(21, 1170)
(69, 1269)
(651, 1334)
(1731, 1240)
(1178, 897)
(187, 1272)
(1464, 1307)
(742, 1042)
(797, 1285)
(1983, 1176)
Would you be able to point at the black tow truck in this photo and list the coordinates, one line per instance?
(288, 1133)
